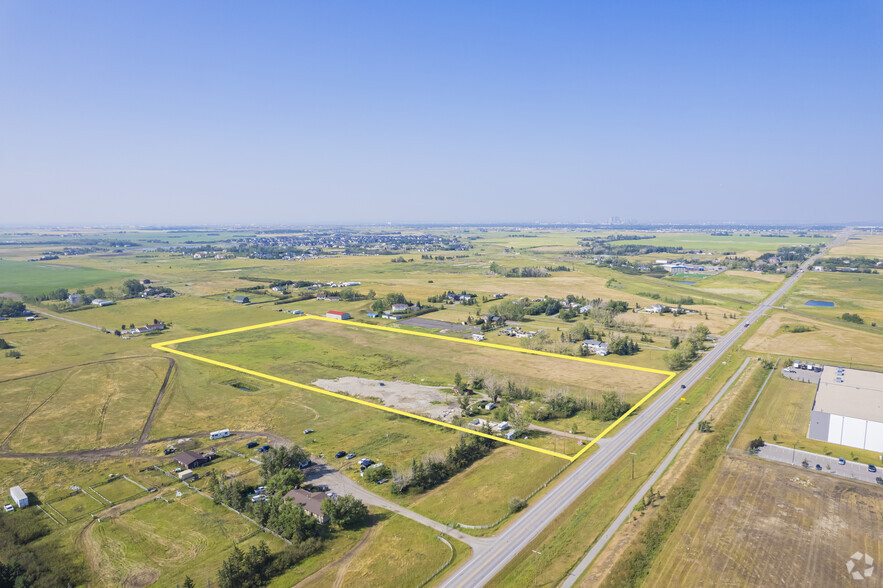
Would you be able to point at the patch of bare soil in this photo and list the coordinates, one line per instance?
(428, 401)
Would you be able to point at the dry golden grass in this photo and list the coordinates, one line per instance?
(867, 244)
(827, 342)
(762, 524)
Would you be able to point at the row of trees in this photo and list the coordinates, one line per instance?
(386, 302)
(11, 308)
(430, 472)
(560, 405)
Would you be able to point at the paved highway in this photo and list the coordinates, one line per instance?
(488, 562)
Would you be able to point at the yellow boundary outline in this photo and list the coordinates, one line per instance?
(669, 375)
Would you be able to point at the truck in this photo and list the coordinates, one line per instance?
(220, 434)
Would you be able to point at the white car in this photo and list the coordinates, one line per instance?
(8, 508)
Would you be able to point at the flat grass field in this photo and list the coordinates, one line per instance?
(30, 278)
(308, 350)
(866, 244)
(783, 411)
(161, 542)
(396, 551)
(86, 407)
(749, 286)
(826, 343)
(756, 523)
(737, 243)
(854, 293)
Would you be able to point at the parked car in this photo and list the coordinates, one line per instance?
(841, 461)
(308, 431)
(350, 455)
(872, 468)
(251, 445)
(8, 507)
(365, 462)
(339, 454)
(818, 467)
(263, 448)
(383, 481)
(168, 451)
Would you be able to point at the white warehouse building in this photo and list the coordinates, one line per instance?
(848, 409)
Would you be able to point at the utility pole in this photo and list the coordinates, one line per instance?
(536, 567)
(633, 464)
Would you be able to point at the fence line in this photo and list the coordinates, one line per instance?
(136, 483)
(102, 496)
(49, 515)
(506, 516)
(446, 564)
(750, 408)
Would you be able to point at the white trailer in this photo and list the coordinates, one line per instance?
(18, 496)
(220, 434)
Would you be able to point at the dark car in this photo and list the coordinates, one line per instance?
(339, 454)
(683, 386)
(384, 481)
(263, 448)
(350, 455)
(872, 468)
(818, 467)
(841, 461)
(251, 445)
(169, 451)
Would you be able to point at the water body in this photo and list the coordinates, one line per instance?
(687, 283)
(818, 303)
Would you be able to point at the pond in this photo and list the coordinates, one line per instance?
(818, 303)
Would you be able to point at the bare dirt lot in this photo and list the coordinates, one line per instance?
(428, 401)
(761, 524)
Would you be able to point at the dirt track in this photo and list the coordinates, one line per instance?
(4, 447)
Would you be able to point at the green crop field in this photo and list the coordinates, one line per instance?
(38, 277)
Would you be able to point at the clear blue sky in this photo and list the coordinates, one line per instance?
(310, 112)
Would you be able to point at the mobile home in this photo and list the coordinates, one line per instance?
(220, 434)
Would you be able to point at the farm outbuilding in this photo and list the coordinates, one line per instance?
(241, 300)
(337, 314)
(848, 409)
(18, 496)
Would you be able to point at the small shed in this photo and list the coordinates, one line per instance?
(18, 496)
(337, 314)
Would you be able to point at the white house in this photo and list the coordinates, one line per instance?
(400, 307)
(596, 347)
(477, 337)
(657, 308)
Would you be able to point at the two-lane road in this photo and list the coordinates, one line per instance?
(477, 571)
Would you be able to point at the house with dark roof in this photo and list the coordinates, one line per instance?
(241, 299)
(192, 459)
(310, 501)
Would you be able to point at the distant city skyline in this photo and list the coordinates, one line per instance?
(299, 113)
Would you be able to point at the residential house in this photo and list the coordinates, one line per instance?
(192, 459)
(400, 307)
(310, 501)
(596, 347)
(241, 300)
